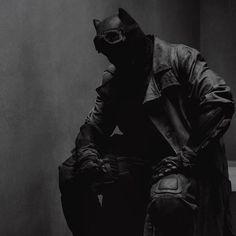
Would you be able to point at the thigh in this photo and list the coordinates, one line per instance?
(80, 204)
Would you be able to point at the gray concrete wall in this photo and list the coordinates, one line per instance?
(217, 43)
(48, 72)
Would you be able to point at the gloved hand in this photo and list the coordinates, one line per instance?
(184, 162)
(98, 172)
(90, 168)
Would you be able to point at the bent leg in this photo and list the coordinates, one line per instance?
(173, 205)
(80, 203)
(124, 198)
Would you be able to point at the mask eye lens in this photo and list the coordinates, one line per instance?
(107, 39)
(113, 37)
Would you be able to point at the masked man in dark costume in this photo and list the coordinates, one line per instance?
(166, 174)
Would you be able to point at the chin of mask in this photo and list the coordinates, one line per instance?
(118, 57)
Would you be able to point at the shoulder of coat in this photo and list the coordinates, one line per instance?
(186, 50)
(108, 74)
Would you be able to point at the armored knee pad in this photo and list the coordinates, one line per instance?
(173, 205)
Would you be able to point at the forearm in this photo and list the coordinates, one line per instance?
(89, 141)
(212, 96)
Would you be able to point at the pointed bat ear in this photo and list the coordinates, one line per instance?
(125, 17)
(122, 11)
(96, 23)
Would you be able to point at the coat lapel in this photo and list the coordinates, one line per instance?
(162, 75)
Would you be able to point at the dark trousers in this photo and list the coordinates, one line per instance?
(122, 209)
(129, 204)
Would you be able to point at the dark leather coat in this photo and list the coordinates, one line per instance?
(190, 106)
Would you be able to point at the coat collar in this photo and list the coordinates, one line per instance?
(161, 55)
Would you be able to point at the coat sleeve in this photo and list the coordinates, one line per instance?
(99, 124)
(210, 93)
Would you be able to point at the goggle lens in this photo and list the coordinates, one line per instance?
(110, 37)
(113, 37)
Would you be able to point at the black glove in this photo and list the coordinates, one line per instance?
(98, 172)
(89, 168)
(184, 162)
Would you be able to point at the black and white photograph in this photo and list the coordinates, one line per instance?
(117, 118)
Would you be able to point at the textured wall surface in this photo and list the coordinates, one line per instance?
(48, 72)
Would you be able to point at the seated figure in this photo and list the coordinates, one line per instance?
(166, 172)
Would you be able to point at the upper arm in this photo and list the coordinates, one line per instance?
(101, 114)
(204, 85)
